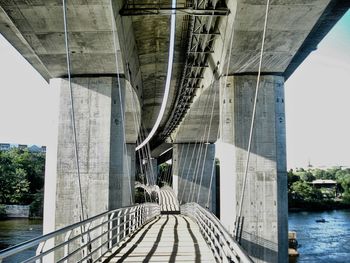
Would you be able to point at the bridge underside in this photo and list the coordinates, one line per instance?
(118, 52)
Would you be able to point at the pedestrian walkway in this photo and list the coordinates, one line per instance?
(167, 238)
(168, 201)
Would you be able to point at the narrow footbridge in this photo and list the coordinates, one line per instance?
(148, 232)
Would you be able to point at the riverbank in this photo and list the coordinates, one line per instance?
(19, 211)
(328, 205)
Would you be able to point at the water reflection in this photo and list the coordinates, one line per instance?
(322, 242)
(15, 231)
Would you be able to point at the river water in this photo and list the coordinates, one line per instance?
(327, 242)
(15, 231)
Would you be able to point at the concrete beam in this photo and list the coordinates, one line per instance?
(202, 119)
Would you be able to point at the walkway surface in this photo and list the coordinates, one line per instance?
(168, 238)
(168, 200)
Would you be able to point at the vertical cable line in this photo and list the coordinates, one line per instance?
(206, 144)
(254, 111)
(66, 39)
(192, 155)
(125, 150)
(137, 124)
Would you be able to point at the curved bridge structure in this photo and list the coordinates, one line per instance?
(110, 61)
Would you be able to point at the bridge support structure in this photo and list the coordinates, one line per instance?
(192, 172)
(265, 205)
(107, 165)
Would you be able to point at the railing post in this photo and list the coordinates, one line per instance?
(118, 227)
(110, 231)
(125, 223)
(133, 220)
(66, 247)
(87, 241)
(101, 235)
(38, 251)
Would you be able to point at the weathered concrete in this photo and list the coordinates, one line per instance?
(192, 171)
(35, 29)
(202, 119)
(106, 166)
(265, 206)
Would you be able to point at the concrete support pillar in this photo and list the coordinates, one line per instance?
(192, 172)
(107, 166)
(154, 167)
(265, 205)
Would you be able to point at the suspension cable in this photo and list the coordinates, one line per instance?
(125, 150)
(196, 169)
(191, 159)
(210, 123)
(254, 111)
(66, 39)
(206, 145)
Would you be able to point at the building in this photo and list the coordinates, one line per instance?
(22, 146)
(326, 186)
(4, 146)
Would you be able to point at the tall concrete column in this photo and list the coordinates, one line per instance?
(107, 166)
(265, 205)
(192, 172)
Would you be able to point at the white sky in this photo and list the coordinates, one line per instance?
(317, 102)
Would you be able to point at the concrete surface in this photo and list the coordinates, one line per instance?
(192, 171)
(105, 165)
(265, 205)
(35, 28)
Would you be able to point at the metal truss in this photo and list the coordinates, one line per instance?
(199, 8)
(203, 32)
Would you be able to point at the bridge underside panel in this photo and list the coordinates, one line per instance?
(192, 173)
(265, 208)
(105, 166)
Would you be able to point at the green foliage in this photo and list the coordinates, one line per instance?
(344, 181)
(302, 190)
(36, 207)
(292, 178)
(302, 193)
(164, 175)
(306, 176)
(21, 176)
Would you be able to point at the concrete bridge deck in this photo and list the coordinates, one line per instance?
(168, 238)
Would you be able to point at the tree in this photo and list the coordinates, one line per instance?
(14, 185)
(306, 176)
(302, 190)
(292, 178)
(21, 176)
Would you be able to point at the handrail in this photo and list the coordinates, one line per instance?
(225, 248)
(88, 240)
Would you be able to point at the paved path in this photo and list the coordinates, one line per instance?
(168, 238)
(168, 200)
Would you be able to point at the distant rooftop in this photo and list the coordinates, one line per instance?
(320, 181)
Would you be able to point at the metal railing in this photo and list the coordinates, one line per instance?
(86, 241)
(224, 247)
